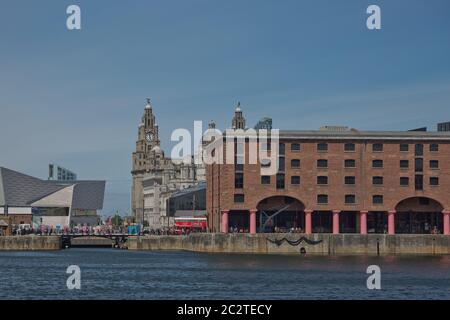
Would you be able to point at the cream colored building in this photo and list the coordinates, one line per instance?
(155, 176)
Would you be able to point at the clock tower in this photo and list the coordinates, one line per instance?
(146, 158)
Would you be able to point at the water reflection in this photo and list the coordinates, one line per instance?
(115, 274)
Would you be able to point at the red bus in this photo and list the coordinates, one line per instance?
(195, 224)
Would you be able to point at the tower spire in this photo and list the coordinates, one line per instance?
(238, 121)
(149, 105)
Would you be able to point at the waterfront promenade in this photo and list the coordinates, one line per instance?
(263, 243)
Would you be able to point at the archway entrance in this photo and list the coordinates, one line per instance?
(419, 215)
(280, 214)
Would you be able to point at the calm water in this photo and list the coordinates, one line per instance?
(116, 274)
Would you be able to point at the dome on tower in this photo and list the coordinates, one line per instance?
(148, 106)
(156, 149)
(238, 107)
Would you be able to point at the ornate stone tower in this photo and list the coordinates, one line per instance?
(146, 158)
(238, 121)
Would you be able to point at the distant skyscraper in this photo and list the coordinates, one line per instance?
(58, 173)
(444, 126)
(264, 123)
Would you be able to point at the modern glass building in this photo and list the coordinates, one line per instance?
(58, 173)
(444, 126)
(264, 123)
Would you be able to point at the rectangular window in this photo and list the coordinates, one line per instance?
(350, 180)
(434, 181)
(419, 165)
(434, 147)
(322, 163)
(434, 164)
(404, 181)
(418, 182)
(280, 181)
(404, 147)
(295, 180)
(281, 149)
(349, 147)
(377, 164)
(418, 152)
(404, 164)
(265, 179)
(377, 147)
(322, 199)
(322, 180)
(295, 147)
(239, 180)
(377, 199)
(350, 199)
(239, 198)
(377, 181)
(239, 159)
(322, 147)
(295, 163)
(350, 163)
(265, 146)
(281, 164)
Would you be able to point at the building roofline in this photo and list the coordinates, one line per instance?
(364, 135)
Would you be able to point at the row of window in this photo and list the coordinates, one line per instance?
(350, 147)
(323, 199)
(348, 180)
(351, 163)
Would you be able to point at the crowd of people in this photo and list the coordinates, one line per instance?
(51, 230)
(172, 231)
(100, 230)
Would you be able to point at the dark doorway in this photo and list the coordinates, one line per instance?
(377, 222)
(322, 222)
(418, 222)
(238, 222)
(348, 222)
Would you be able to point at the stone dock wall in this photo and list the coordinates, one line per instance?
(30, 243)
(345, 244)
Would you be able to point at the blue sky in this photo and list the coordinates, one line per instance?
(76, 97)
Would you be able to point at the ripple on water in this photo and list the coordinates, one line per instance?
(117, 274)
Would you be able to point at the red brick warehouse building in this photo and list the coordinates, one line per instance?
(337, 180)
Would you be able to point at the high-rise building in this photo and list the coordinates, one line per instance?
(264, 123)
(444, 126)
(58, 173)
